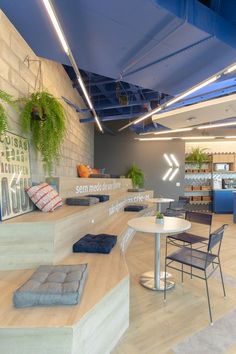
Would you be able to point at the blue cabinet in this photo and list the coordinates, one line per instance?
(223, 201)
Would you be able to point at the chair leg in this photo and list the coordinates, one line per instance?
(191, 266)
(208, 299)
(222, 280)
(165, 283)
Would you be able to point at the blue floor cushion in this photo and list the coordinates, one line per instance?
(136, 190)
(101, 243)
(82, 201)
(135, 207)
(101, 197)
(52, 285)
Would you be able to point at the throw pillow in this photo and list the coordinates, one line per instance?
(44, 197)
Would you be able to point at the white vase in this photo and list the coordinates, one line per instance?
(160, 221)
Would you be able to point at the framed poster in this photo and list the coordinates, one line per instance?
(14, 176)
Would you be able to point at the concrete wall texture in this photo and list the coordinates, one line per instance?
(19, 79)
(117, 153)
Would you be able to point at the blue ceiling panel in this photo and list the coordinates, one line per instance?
(164, 45)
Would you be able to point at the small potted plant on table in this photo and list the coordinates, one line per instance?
(159, 218)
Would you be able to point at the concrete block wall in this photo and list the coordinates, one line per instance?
(18, 78)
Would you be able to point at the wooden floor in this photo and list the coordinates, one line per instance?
(156, 327)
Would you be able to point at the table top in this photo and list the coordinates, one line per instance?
(160, 200)
(148, 224)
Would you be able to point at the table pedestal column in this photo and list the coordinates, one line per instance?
(156, 280)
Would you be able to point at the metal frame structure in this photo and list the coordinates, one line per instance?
(192, 258)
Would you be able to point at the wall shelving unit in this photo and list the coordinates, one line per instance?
(198, 185)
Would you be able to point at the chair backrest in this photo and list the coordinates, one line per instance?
(199, 218)
(216, 237)
(184, 199)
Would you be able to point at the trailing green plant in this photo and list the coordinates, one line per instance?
(4, 97)
(197, 156)
(159, 215)
(44, 116)
(137, 176)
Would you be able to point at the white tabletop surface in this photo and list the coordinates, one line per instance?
(160, 200)
(148, 224)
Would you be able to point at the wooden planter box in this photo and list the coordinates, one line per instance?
(206, 198)
(196, 198)
(188, 188)
(206, 188)
(196, 188)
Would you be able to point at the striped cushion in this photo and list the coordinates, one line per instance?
(44, 197)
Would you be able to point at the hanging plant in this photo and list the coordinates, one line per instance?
(44, 116)
(137, 176)
(5, 97)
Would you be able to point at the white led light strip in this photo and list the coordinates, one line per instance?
(173, 169)
(183, 95)
(62, 38)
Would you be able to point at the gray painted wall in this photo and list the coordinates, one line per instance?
(117, 153)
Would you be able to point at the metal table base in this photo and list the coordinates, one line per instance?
(156, 280)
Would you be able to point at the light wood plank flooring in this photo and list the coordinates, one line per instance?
(156, 327)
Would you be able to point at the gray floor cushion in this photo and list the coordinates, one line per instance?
(136, 190)
(84, 201)
(52, 285)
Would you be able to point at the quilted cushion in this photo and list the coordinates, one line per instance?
(101, 197)
(99, 175)
(136, 190)
(102, 243)
(135, 207)
(44, 197)
(84, 201)
(52, 285)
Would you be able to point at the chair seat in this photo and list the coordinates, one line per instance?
(189, 238)
(192, 257)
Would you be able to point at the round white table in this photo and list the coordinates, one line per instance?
(155, 280)
(159, 201)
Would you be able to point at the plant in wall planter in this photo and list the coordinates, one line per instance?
(4, 97)
(159, 218)
(197, 156)
(137, 176)
(44, 116)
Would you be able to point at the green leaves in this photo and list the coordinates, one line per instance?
(137, 176)
(47, 125)
(198, 156)
(5, 97)
(159, 215)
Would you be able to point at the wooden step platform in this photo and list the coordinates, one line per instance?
(92, 327)
(47, 238)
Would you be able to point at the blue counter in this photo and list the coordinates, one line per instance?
(223, 201)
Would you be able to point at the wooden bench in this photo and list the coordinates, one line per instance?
(47, 238)
(92, 327)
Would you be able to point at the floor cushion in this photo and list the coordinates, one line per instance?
(52, 285)
(136, 190)
(135, 207)
(102, 243)
(101, 197)
(84, 201)
(99, 175)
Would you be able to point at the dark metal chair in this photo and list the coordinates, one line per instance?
(177, 208)
(199, 261)
(187, 238)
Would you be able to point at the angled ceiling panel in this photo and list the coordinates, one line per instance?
(165, 45)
